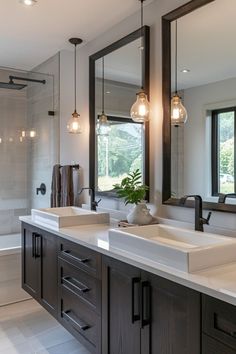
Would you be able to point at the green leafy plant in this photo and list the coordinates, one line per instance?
(131, 188)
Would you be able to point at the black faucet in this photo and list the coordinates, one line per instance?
(223, 197)
(93, 202)
(199, 220)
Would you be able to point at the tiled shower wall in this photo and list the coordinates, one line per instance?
(13, 157)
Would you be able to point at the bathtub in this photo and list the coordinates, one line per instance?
(10, 270)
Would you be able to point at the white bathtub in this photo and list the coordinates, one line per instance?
(10, 270)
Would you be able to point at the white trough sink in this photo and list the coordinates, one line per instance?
(56, 218)
(183, 249)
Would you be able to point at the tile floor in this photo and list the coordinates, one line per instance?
(26, 328)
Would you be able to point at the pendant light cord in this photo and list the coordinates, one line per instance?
(176, 56)
(141, 47)
(103, 86)
(75, 78)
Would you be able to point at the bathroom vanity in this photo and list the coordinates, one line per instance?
(115, 302)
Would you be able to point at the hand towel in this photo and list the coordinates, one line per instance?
(67, 189)
(56, 187)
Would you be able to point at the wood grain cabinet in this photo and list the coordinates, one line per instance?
(146, 314)
(39, 266)
(79, 291)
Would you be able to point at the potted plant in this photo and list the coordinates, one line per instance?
(133, 191)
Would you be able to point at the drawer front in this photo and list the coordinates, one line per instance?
(211, 346)
(81, 320)
(219, 320)
(80, 283)
(82, 257)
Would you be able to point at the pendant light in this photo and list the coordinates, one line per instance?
(179, 114)
(73, 125)
(140, 110)
(103, 126)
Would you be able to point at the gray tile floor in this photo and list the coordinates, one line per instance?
(26, 328)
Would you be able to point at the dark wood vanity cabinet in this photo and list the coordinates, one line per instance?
(79, 291)
(143, 313)
(39, 266)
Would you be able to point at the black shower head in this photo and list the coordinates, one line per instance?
(11, 85)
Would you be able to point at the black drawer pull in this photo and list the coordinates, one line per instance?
(146, 304)
(68, 315)
(36, 245)
(81, 260)
(76, 284)
(135, 314)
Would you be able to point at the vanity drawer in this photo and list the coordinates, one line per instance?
(211, 346)
(82, 257)
(80, 283)
(80, 320)
(219, 320)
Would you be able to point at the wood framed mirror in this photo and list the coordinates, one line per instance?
(116, 74)
(200, 156)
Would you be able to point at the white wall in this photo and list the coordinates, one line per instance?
(76, 148)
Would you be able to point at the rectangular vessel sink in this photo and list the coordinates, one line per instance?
(56, 218)
(183, 249)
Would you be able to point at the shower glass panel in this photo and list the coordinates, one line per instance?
(28, 143)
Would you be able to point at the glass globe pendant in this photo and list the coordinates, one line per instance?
(73, 124)
(140, 110)
(179, 114)
(103, 126)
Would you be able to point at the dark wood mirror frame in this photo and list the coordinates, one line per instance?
(166, 92)
(145, 32)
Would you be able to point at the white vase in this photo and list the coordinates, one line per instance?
(139, 215)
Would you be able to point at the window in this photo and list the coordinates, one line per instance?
(119, 153)
(223, 151)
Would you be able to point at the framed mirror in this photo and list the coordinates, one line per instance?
(116, 74)
(199, 157)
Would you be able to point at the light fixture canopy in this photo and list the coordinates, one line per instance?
(28, 2)
(103, 126)
(179, 113)
(141, 108)
(73, 124)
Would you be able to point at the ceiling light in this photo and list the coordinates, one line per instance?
(185, 71)
(179, 114)
(73, 124)
(103, 126)
(28, 2)
(140, 110)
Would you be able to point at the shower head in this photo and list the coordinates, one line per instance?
(11, 85)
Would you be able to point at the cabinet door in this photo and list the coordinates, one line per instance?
(121, 308)
(47, 250)
(175, 317)
(30, 262)
(211, 346)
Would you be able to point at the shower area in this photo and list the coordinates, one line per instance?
(29, 147)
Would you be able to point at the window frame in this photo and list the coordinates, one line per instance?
(215, 148)
(117, 119)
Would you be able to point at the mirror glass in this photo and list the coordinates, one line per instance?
(124, 146)
(203, 150)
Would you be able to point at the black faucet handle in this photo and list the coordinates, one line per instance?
(206, 221)
(96, 202)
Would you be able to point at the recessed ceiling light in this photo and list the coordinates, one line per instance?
(185, 71)
(108, 92)
(28, 2)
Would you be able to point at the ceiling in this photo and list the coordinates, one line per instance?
(30, 35)
(206, 44)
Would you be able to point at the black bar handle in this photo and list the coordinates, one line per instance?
(69, 254)
(38, 245)
(146, 304)
(33, 245)
(135, 314)
(75, 284)
(78, 324)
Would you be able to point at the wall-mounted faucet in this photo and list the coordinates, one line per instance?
(93, 202)
(199, 220)
(42, 189)
(223, 197)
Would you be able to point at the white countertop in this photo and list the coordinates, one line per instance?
(219, 282)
